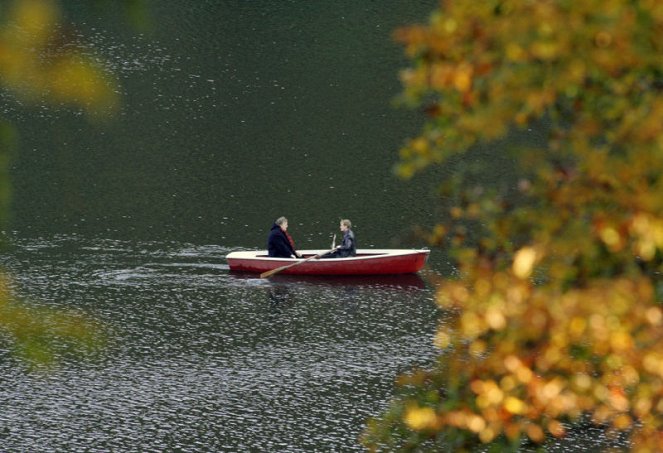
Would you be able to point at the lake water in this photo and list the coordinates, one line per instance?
(200, 359)
(233, 113)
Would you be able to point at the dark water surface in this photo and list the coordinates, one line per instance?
(233, 113)
(200, 359)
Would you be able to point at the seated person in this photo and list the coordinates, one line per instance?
(349, 245)
(279, 243)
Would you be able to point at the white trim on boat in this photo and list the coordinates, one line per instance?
(362, 254)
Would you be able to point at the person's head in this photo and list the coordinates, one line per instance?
(282, 222)
(345, 225)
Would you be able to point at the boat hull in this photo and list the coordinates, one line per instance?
(367, 262)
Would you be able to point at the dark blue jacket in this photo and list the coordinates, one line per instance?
(348, 246)
(278, 244)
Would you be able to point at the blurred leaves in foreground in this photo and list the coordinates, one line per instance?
(38, 64)
(556, 313)
(40, 336)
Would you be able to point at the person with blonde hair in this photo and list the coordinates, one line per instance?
(348, 246)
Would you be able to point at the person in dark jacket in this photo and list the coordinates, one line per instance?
(279, 243)
(349, 245)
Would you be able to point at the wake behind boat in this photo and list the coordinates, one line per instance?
(366, 262)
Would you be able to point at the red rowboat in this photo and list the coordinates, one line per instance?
(367, 262)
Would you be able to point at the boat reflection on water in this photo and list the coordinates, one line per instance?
(402, 281)
(284, 291)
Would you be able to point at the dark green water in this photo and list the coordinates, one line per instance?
(234, 113)
(203, 360)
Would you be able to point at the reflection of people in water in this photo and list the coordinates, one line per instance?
(278, 295)
(349, 245)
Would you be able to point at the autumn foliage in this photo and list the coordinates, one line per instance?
(40, 65)
(556, 311)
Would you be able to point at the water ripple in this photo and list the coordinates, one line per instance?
(199, 359)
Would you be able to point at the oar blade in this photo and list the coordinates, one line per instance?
(278, 269)
(270, 273)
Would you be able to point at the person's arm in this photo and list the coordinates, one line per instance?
(292, 251)
(291, 245)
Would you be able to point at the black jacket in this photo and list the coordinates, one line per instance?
(278, 244)
(348, 246)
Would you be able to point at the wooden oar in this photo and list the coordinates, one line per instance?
(282, 268)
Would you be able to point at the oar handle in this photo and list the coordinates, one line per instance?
(288, 266)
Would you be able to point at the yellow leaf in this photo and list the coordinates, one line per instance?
(523, 262)
(420, 418)
(515, 405)
(495, 318)
(611, 238)
(442, 340)
(476, 423)
(463, 78)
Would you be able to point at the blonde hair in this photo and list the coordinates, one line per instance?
(347, 223)
(280, 221)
